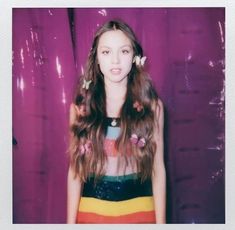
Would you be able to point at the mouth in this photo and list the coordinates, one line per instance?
(116, 71)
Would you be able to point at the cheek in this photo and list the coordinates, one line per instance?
(103, 67)
(100, 63)
(128, 59)
(128, 62)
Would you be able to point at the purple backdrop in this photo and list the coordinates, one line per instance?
(185, 57)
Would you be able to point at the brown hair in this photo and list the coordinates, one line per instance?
(92, 128)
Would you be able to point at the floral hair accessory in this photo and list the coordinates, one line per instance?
(86, 148)
(137, 106)
(86, 84)
(140, 142)
(139, 61)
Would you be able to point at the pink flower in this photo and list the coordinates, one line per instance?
(138, 106)
(85, 148)
(140, 142)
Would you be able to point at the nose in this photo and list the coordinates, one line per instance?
(115, 58)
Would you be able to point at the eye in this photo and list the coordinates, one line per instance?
(105, 52)
(125, 51)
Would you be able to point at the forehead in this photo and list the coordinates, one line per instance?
(114, 38)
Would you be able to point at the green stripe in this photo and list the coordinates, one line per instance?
(117, 190)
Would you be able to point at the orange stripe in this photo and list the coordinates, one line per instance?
(111, 150)
(134, 218)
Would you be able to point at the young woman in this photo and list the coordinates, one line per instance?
(117, 172)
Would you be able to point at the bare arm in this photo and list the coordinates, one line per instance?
(74, 193)
(159, 174)
(73, 183)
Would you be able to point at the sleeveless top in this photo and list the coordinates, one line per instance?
(118, 196)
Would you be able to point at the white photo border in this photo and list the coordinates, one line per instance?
(6, 209)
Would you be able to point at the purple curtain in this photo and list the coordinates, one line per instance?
(185, 57)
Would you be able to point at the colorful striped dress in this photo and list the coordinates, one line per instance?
(116, 198)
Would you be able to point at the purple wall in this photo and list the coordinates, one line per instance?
(43, 78)
(185, 57)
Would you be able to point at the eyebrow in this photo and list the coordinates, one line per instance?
(103, 46)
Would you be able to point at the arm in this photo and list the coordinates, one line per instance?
(73, 197)
(159, 174)
(73, 183)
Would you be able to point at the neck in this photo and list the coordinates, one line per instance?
(115, 97)
(115, 91)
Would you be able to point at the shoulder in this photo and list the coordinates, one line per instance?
(158, 107)
(159, 104)
(74, 113)
(72, 110)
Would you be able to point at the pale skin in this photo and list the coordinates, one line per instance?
(115, 56)
(73, 183)
(159, 172)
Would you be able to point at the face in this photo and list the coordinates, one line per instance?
(115, 56)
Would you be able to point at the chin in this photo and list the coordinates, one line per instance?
(118, 80)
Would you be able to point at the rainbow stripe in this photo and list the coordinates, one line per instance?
(134, 218)
(117, 199)
(109, 142)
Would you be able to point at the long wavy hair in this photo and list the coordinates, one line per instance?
(91, 127)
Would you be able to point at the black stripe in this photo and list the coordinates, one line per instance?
(117, 191)
(108, 121)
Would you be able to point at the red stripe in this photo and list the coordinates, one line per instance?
(134, 218)
(111, 150)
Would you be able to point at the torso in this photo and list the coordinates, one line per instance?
(119, 196)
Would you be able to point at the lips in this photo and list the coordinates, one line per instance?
(116, 71)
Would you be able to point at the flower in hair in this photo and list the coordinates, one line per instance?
(85, 148)
(86, 84)
(137, 106)
(139, 61)
(138, 141)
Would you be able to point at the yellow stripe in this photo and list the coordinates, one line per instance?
(116, 208)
